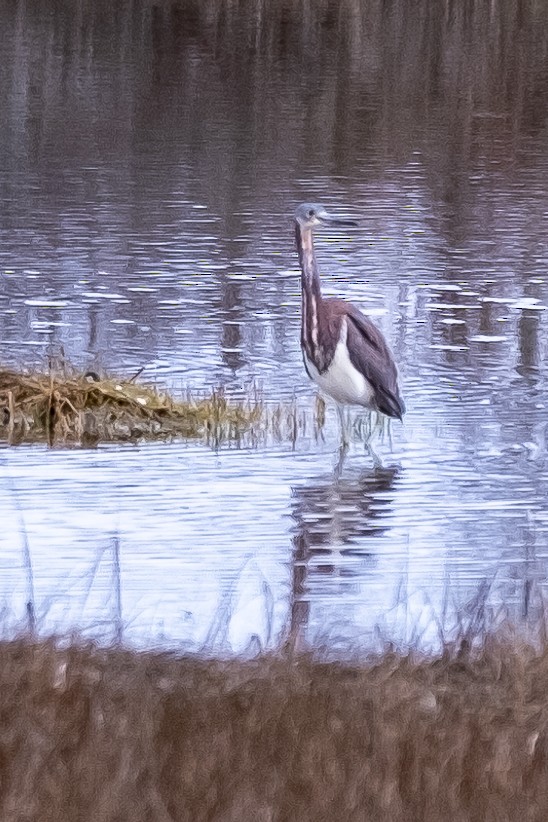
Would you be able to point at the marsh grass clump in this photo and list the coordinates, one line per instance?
(91, 733)
(69, 407)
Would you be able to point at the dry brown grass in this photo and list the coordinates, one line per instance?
(64, 407)
(89, 734)
(68, 407)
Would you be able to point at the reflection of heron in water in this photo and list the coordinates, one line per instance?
(333, 515)
(343, 351)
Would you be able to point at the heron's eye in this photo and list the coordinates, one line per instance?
(311, 212)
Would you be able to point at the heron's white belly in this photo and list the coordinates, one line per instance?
(342, 381)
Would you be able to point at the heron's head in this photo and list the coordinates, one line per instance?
(309, 215)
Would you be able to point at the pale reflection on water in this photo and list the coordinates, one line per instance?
(152, 157)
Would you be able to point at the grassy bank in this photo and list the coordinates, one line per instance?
(116, 735)
(67, 407)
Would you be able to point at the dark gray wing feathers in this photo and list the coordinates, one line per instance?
(371, 356)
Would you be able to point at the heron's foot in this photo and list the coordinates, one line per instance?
(377, 462)
(375, 427)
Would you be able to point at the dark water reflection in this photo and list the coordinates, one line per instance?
(335, 517)
(152, 155)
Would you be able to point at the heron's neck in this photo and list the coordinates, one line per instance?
(313, 311)
(310, 276)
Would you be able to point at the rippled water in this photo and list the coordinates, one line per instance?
(152, 157)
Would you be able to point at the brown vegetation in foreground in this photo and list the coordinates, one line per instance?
(100, 735)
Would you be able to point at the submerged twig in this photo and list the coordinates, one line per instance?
(117, 585)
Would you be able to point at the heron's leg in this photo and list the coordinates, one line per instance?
(377, 462)
(344, 426)
(389, 429)
(373, 429)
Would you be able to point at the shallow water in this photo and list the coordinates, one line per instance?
(152, 159)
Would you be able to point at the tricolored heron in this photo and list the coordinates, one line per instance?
(343, 351)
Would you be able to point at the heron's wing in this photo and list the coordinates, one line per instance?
(370, 355)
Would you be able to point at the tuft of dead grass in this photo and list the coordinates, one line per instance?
(75, 408)
(66, 407)
(111, 734)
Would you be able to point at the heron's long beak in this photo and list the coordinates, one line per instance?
(330, 219)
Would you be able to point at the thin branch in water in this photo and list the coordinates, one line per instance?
(117, 585)
(137, 374)
(30, 605)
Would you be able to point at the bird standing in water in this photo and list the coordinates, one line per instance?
(343, 351)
